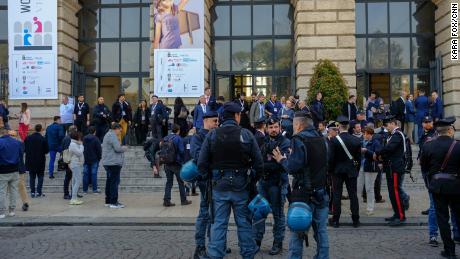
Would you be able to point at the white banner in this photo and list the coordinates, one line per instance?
(32, 45)
(178, 48)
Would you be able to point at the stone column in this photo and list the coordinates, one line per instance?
(67, 22)
(324, 29)
(450, 69)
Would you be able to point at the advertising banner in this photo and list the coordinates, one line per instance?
(178, 48)
(32, 48)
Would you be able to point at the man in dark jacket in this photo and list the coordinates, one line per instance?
(241, 100)
(81, 114)
(398, 108)
(158, 117)
(36, 148)
(93, 154)
(344, 163)
(349, 108)
(101, 118)
(4, 112)
(54, 135)
(317, 109)
(436, 106)
(122, 113)
(10, 162)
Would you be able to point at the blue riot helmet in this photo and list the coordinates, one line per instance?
(299, 217)
(259, 207)
(189, 171)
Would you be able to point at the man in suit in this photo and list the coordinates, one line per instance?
(199, 112)
(273, 106)
(422, 106)
(210, 99)
(122, 114)
(241, 100)
(158, 116)
(344, 162)
(398, 108)
(349, 108)
(257, 109)
(436, 106)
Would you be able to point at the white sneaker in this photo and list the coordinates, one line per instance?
(370, 213)
(11, 214)
(107, 205)
(2, 216)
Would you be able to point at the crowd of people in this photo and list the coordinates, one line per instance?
(283, 150)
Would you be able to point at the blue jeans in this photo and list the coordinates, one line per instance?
(90, 171)
(276, 196)
(319, 224)
(223, 203)
(202, 225)
(52, 160)
(113, 180)
(171, 171)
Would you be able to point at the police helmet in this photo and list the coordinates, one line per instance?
(259, 207)
(299, 217)
(189, 171)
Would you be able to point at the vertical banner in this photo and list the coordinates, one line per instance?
(32, 48)
(178, 48)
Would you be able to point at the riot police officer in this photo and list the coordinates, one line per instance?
(231, 156)
(440, 159)
(344, 163)
(307, 163)
(392, 155)
(202, 225)
(273, 185)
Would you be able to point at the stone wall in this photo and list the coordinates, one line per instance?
(324, 29)
(450, 69)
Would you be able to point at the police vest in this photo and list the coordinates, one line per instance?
(314, 173)
(227, 151)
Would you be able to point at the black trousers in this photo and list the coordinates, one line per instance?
(394, 183)
(34, 174)
(441, 204)
(141, 133)
(337, 188)
(101, 129)
(81, 126)
(67, 179)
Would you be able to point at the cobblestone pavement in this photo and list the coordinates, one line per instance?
(178, 242)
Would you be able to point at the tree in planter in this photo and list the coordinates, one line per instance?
(328, 80)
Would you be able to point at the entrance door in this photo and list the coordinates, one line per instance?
(110, 88)
(232, 85)
(380, 83)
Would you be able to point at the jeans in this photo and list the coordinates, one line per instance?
(171, 171)
(90, 171)
(51, 162)
(319, 224)
(32, 176)
(202, 225)
(111, 186)
(223, 203)
(67, 179)
(8, 185)
(276, 196)
(367, 179)
(76, 179)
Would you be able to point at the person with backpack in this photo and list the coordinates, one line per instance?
(172, 156)
(151, 148)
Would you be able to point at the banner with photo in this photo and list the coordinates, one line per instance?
(178, 48)
(32, 48)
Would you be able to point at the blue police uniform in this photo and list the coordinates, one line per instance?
(422, 106)
(227, 155)
(295, 165)
(273, 187)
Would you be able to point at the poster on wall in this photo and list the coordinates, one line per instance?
(32, 48)
(178, 45)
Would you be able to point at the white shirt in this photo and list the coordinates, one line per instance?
(66, 112)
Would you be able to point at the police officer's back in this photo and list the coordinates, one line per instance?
(440, 158)
(228, 154)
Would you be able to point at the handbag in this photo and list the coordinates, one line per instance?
(61, 165)
(183, 113)
(66, 157)
(442, 182)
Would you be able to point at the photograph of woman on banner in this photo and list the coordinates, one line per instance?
(175, 19)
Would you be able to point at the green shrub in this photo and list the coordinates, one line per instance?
(328, 80)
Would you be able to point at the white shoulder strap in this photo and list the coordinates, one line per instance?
(344, 147)
(404, 140)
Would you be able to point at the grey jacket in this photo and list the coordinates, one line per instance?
(112, 151)
(254, 113)
(76, 154)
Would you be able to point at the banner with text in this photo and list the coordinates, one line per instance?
(178, 48)
(32, 48)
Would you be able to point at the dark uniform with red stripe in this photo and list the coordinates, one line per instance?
(392, 155)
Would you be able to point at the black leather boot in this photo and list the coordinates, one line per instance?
(276, 248)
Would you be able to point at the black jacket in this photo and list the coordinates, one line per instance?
(339, 162)
(36, 148)
(349, 110)
(373, 146)
(93, 150)
(117, 111)
(434, 153)
(397, 109)
(138, 116)
(99, 111)
(393, 152)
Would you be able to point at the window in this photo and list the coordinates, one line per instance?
(252, 43)
(3, 34)
(395, 40)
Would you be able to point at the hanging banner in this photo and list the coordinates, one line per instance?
(178, 48)
(32, 48)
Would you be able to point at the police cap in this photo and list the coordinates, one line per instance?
(445, 122)
(427, 119)
(342, 120)
(259, 121)
(232, 107)
(210, 114)
(360, 111)
(272, 120)
(333, 124)
(389, 118)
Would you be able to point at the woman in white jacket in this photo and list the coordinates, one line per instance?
(76, 165)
